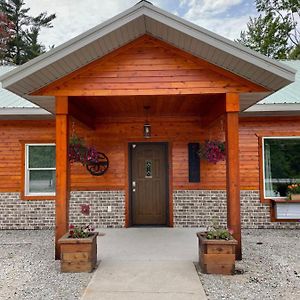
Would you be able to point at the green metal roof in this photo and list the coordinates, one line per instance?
(289, 94)
(9, 99)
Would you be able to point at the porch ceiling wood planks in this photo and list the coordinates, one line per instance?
(135, 22)
(133, 106)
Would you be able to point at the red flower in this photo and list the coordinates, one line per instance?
(85, 209)
(71, 226)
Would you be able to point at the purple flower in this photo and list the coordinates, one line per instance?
(78, 152)
(213, 151)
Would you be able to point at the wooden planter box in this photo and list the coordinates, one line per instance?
(78, 255)
(295, 197)
(216, 256)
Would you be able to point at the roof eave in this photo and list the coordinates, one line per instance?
(70, 46)
(24, 112)
(232, 47)
(268, 110)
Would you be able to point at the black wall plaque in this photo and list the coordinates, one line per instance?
(194, 162)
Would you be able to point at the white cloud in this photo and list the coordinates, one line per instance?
(229, 27)
(206, 13)
(184, 2)
(200, 8)
(73, 19)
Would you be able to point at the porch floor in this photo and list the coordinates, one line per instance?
(146, 263)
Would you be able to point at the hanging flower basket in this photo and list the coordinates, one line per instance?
(213, 151)
(96, 162)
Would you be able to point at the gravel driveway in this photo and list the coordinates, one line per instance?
(28, 269)
(270, 269)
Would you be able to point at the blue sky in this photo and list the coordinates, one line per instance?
(225, 17)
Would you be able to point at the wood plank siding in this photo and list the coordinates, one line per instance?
(148, 66)
(112, 137)
(13, 135)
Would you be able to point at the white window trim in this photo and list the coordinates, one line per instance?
(263, 159)
(27, 170)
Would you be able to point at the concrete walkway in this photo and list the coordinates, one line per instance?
(146, 264)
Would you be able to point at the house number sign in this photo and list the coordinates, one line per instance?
(148, 169)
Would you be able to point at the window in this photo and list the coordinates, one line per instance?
(40, 170)
(281, 167)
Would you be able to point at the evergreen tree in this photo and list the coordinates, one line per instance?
(295, 53)
(23, 43)
(33, 48)
(5, 34)
(275, 31)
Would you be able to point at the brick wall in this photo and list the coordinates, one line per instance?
(20, 214)
(254, 214)
(99, 202)
(191, 209)
(197, 208)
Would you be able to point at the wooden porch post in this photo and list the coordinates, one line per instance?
(62, 171)
(233, 169)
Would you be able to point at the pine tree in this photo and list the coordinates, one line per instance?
(275, 32)
(5, 34)
(23, 43)
(33, 47)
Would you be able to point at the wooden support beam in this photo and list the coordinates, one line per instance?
(62, 171)
(233, 169)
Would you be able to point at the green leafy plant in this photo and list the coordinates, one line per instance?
(217, 233)
(275, 31)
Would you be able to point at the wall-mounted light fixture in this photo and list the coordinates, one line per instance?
(147, 126)
(147, 131)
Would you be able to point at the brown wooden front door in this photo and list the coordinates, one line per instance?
(149, 183)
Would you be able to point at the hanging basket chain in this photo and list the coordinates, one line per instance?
(73, 129)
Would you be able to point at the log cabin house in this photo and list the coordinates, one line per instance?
(145, 88)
